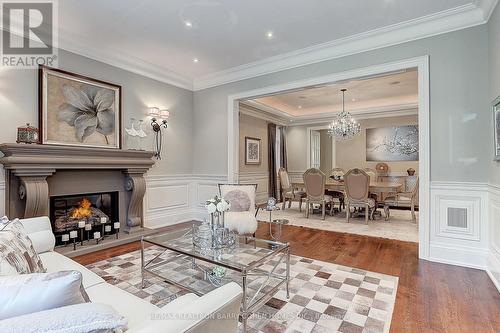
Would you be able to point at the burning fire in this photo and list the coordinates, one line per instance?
(83, 210)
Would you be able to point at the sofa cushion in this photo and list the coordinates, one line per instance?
(136, 310)
(16, 250)
(78, 318)
(28, 293)
(39, 231)
(54, 262)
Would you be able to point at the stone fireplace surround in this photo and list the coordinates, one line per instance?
(34, 173)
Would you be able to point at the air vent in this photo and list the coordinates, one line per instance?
(457, 217)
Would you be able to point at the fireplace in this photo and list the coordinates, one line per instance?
(92, 208)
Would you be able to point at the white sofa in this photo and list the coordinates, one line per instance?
(188, 313)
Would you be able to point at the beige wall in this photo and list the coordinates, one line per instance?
(352, 154)
(326, 152)
(255, 128)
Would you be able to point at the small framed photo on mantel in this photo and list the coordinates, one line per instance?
(76, 110)
(496, 129)
(252, 151)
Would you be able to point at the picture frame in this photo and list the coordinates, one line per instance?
(496, 128)
(392, 144)
(77, 110)
(252, 151)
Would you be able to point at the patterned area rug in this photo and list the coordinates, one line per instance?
(399, 226)
(324, 297)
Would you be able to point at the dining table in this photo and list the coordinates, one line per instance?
(375, 186)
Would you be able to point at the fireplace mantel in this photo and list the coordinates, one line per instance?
(28, 166)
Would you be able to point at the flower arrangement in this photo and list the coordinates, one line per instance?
(217, 205)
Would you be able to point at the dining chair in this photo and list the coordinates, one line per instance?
(357, 186)
(240, 217)
(337, 174)
(406, 198)
(288, 192)
(314, 182)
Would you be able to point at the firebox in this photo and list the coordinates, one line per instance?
(66, 211)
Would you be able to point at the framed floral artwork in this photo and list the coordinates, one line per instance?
(496, 127)
(252, 151)
(76, 110)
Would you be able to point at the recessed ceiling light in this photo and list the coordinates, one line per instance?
(195, 60)
(300, 106)
(354, 99)
(269, 35)
(188, 24)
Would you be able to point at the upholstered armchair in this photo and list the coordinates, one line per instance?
(314, 182)
(357, 186)
(288, 192)
(241, 215)
(337, 174)
(407, 198)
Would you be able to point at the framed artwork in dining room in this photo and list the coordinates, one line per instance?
(252, 151)
(496, 127)
(76, 110)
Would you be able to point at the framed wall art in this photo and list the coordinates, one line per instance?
(76, 110)
(496, 127)
(398, 143)
(252, 151)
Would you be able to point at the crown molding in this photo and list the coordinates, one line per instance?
(487, 6)
(124, 61)
(435, 24)
(268, 113)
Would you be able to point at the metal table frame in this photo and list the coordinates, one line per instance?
(248, 307)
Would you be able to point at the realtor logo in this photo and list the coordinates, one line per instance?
(29, 35)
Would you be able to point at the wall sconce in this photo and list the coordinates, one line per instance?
(158, 120)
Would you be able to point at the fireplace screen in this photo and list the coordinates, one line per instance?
(66, 211)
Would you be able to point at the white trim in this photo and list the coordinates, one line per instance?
(181, 197)
(421, 63)
(487, 6)
(126, 62)
(267, 112)
(427, 26)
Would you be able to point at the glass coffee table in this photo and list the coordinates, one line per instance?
(259, 266)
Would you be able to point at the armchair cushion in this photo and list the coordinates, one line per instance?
(239, 200)
(244, 223)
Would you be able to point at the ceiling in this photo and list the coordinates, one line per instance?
(390, 92)
(229, 38)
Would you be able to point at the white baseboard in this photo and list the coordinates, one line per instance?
(459, 255)
(493, 266)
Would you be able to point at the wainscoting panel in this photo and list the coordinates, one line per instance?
(174, 199)
(459, 223)
(493, 265)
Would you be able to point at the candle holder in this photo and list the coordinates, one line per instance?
(116, 225)
(65, 239)
(81, 226)
(88, 229)
(97, 237)
(73, 234)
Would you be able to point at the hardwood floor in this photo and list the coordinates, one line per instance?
(431, 297)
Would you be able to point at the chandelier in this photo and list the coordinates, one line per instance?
(345, 126)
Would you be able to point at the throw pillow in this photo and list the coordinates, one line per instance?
(79, 318)
(17, 254)
(239, 200)
(28, 293)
